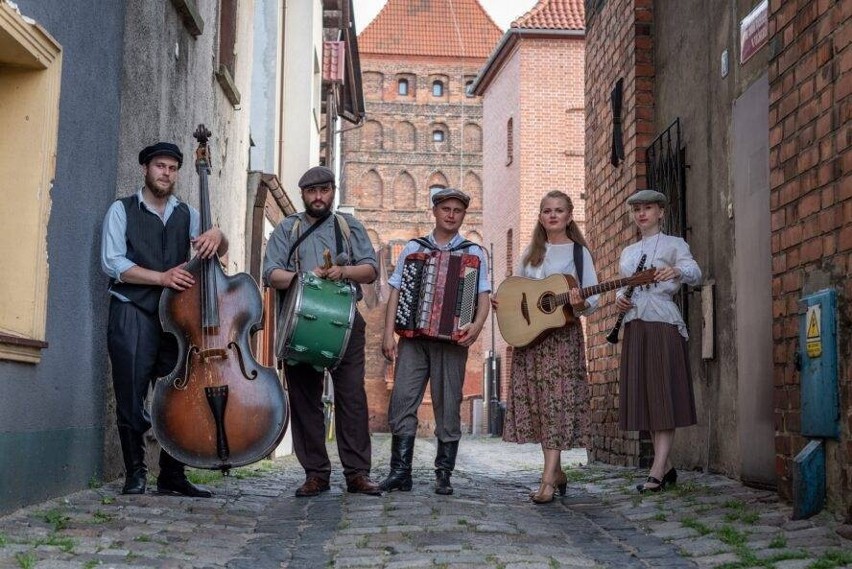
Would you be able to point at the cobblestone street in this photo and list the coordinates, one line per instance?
(255, 522)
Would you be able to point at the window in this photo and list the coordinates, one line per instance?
(227, 45)
(510, 255)
(468, 88)
(30, 77)
(437, 89)
(510, 140)
(438, 135)
(402, 87)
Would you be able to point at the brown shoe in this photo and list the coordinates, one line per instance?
(312, 487)
(361, 484)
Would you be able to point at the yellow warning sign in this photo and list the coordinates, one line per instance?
(813, 338)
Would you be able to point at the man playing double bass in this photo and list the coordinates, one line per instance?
(299, 244)
(146, 241)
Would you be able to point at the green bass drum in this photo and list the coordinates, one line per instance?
(316, 322)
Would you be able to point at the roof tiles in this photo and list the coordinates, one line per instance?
(554, 15)
(443, 28)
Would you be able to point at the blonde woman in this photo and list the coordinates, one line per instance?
(655, 384)
(548, 400)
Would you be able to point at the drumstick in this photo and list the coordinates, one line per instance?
(326, 255)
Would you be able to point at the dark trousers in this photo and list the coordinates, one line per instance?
(140, 352)
(351, 419)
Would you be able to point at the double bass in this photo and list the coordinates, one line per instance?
(218, 408)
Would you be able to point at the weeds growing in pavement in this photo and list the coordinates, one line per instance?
(57, 518)
(729, 535)
(102, 517)
(692, 523)
(3, 540)
(95, 483)
(778, 542)
(26, 560)
(107, 500)
(91, 564)
(831, 559)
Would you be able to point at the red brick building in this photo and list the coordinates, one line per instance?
(532, 89)
(748, 129)
(422, 132)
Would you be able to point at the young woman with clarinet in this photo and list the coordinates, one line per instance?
(655, 383)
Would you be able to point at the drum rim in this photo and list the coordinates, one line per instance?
(288, 326)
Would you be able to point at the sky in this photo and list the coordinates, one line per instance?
(501, 11)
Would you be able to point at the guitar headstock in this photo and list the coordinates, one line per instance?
(644, 277)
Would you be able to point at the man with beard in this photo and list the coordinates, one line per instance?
(146, 241)
(297, 245)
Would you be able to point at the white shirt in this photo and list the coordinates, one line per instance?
(559, 259)
(654, 303)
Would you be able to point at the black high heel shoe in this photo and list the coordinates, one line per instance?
(670, 478)
(660, 484)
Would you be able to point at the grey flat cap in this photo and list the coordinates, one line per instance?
(647, 196)
(316, 176)
(450, 193)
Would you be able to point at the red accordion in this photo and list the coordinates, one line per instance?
(438, 295)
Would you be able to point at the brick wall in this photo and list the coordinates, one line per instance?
(540, 89)
(618, 46)
(810, 137)
(387, 168)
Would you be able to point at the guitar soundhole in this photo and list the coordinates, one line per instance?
(547, 303)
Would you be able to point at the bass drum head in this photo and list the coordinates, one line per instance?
(289, 316)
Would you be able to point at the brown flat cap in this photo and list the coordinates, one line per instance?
(450, 193)
(316, 176)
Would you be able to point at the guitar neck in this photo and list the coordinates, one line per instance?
(595, 289)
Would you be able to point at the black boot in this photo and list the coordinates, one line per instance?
(133, 452)
(399, 477)
(445, 462)
(172, 479)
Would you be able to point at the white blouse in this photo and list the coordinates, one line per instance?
(559, 259)
(654, 303)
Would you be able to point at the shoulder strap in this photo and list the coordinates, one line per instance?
(465, 244)
(578, 262)
(424, 242)
(301, 237)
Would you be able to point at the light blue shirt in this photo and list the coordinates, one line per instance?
(114, 259)
(395, 279)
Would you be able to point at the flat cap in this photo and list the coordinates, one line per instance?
(316, 176)
(161, 149)
(647, 196)
(450, 193)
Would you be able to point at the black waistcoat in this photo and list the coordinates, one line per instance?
(154, 246)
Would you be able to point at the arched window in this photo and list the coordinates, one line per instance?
(468, 88)
(437, 88)
(402, 87)
(438, 135)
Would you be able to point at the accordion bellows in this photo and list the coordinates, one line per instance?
(438, 295)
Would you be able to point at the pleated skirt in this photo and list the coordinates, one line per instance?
(655, 383)
(548, 400)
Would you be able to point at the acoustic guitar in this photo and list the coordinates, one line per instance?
(529, 309)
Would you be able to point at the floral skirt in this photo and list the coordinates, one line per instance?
(548, 399)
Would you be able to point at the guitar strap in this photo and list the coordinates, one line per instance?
(578, 263)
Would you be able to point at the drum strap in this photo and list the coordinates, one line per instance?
(341, 235)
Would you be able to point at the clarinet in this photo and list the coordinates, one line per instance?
(612, 337)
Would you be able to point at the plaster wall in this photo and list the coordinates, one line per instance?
(300, 130)
(51, 413)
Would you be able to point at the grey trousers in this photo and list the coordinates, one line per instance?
(442, 364)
